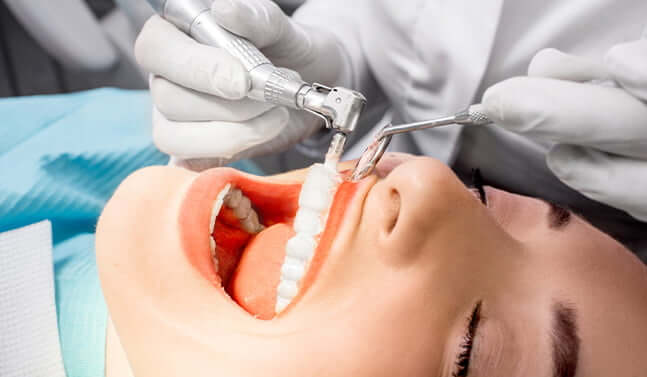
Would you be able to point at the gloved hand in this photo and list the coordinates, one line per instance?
(201, 115)
(595, 112)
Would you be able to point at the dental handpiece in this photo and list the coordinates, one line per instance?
(472, 116)
(338, 107)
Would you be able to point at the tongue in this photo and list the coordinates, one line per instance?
(253, 284)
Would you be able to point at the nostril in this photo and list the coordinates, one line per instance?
(392, 210)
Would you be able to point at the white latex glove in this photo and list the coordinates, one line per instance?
(201, 115)
(596, 112)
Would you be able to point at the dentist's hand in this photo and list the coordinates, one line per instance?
(201, 115)
(596, 113)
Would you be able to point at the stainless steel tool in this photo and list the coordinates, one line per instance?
(473, 115)
(338, 107)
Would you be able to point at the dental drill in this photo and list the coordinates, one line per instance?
(338, 107)
(473, 115)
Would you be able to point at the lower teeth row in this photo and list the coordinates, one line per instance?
(314, 201)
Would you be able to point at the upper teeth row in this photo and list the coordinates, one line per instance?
(314, 201)
(242, 208)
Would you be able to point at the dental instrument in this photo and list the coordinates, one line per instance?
(338, 107)
(473, 115)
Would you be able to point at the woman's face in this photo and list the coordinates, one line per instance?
(419, 278)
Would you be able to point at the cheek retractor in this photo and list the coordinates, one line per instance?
(315, 199)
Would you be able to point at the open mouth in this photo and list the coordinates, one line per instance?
(260, 240)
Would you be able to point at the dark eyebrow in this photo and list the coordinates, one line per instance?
(565, 341)
(558, 216)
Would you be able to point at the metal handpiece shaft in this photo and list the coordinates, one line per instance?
(403, 128)
(268, 83)
(470, 116)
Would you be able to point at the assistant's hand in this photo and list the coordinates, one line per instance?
(596, 112)
(201, 115)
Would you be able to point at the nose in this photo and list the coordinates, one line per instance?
(427, 187)
(390, 161)
(429, 197)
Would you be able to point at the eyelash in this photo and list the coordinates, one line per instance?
(463, 360)
(478, 183)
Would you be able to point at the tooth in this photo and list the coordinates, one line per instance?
(307, 221)
(251, 224)
(300, 247)
(243, 208)
(217, 205)
(214, 257)
(287, 289)
(317, 188)
(293, 269)
(281, 303)
(233, 198)
(291, 259)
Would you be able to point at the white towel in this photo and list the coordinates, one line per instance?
(29, 342)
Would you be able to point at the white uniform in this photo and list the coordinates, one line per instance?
(431, 58)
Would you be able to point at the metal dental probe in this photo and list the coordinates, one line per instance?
(338, 107)
(473, 115)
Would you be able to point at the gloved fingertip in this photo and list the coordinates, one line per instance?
(492, 104)
(262, 22)
(145, 43)
(563, 160)
(234, 17)
(518, 103)
(223, 6)
(282, 115)
(154, 22)
(618, 58)
(543, 63)
(555, 64)
(231, 80)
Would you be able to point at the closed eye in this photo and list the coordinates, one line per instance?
(478, 183)
(558, 216)
(464, 357)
